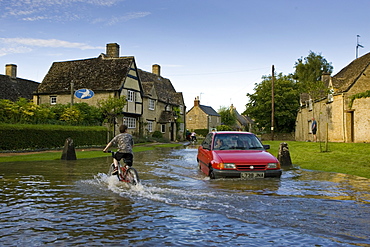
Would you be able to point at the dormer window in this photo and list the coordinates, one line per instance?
(130, 96)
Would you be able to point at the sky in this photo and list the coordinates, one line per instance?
(217, 50)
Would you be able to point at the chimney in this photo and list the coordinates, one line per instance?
(156, 69)
(11, 70)
(113, 50)
(325, 77)
(197, 101)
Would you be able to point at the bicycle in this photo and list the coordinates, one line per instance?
(125, 173)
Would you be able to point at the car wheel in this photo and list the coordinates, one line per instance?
(211, 174)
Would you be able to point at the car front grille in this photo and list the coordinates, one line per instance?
(250, 167)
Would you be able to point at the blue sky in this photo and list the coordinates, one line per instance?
(215, 49)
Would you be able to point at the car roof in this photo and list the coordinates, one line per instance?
(231, 132)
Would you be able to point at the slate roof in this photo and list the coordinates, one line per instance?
(15, 88)
(165, 91)
(345, 78)
(97, 74)
(209, 110)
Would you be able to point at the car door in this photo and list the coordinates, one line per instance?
(205, 153)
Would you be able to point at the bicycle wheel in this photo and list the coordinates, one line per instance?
(121, 173)
(132, 176)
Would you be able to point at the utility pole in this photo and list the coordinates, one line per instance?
(72, 93)
(272, 103)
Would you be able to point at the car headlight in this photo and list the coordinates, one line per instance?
(272, 165)
(229, 165)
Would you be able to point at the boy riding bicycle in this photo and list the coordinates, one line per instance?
(125, 143)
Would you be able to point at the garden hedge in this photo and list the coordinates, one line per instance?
(35, 137)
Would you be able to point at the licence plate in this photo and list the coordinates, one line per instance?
(252, 175)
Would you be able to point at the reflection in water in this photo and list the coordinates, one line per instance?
(61, 203)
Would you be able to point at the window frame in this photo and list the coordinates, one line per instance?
(53, 100)
(131, 96)
(149, 127)
(130, 122)
(151, 104)
(163, 128)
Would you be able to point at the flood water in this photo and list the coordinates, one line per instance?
(75, 203)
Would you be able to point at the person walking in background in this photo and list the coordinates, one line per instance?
(314, 129)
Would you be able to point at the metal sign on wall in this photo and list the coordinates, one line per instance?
(84, 93)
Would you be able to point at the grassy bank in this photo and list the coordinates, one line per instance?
(81, 154)
(348, 158)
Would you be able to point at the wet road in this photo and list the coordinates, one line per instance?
(75, 203)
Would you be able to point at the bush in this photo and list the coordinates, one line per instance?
(201, 132)
(35, 137)
(224, 128)
(157, 134)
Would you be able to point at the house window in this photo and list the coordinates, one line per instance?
(130, 122)
(181, 109)
(130, 96)
(150, 126)
(151, 104)
(53, 100)
(168, 108)
(163, 128)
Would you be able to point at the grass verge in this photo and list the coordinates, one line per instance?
(81, 154)
(347, 158)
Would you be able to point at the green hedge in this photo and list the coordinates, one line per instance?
(201, 132)
(34, 137)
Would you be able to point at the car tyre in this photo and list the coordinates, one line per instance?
(211, 174)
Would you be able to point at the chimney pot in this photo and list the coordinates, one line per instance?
(11, 70)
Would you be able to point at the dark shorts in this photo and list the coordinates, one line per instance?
(127, 157)
(314, 131)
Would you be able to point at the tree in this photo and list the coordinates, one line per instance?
(308, 72)
(286, 99)
(111, 108)
(227, 116)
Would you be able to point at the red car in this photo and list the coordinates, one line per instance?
(236, 154)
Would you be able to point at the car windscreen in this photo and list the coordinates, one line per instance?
(236, 141)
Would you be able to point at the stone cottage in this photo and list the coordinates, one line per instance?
(12, 88)
(344, 115)
(108, 75)
(202, 117)
(111, 75)
(164, 108)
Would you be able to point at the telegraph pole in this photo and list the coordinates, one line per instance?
(272, 103)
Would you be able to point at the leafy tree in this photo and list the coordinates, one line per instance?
(71, 115)
(227, 116)
(308, 72)
(224, 128)
(91, 115)
(286, 98)
(111, 108)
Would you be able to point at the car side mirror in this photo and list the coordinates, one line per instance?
(266, 147)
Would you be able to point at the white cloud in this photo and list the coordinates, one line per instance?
(50, 9)
(48, 43)
(14, 50)
(127, 17)
(24, 45)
